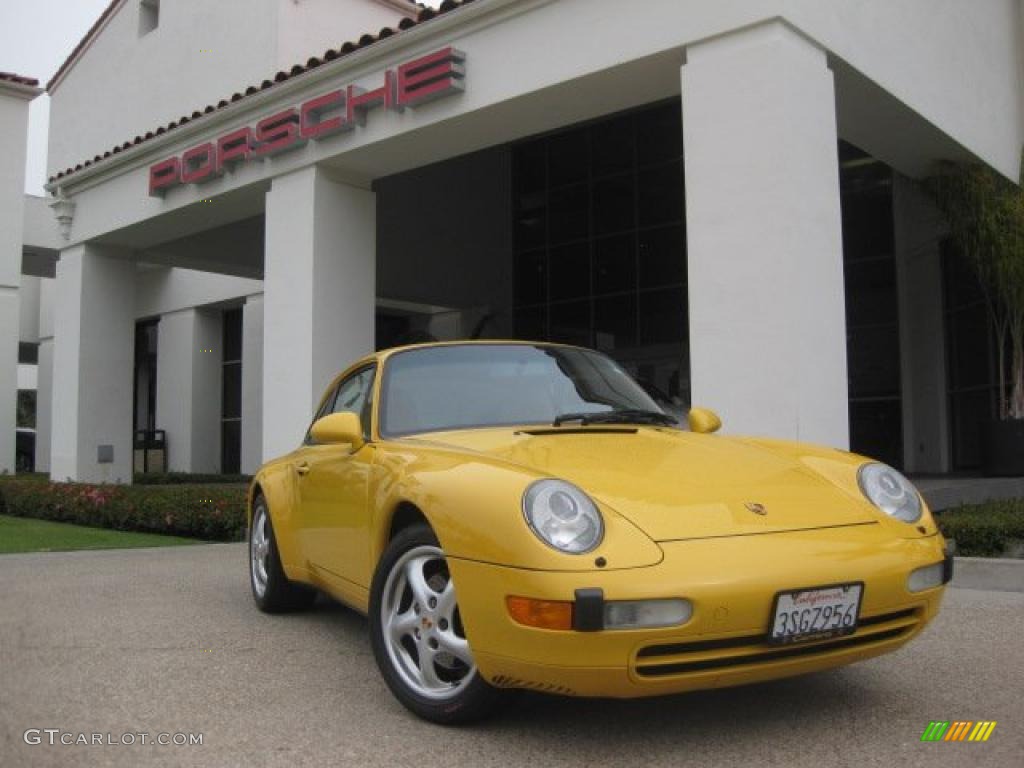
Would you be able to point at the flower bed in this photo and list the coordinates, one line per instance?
(212, 512)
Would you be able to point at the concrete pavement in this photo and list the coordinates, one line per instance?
(168, 641)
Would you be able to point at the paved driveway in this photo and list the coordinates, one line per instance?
(168, 641)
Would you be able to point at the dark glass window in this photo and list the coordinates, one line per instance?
(612, 146)
(615, 322)
(532, 277)
(972, 359)
(144, 390)
(28, 354)
(662, 257)
(231, 386)
(615, 264)
(570, 323)
(570, 271)
(661, 195)
(568, 155)
(614, 204)
(872, 307)
(660, 134)
(600, 241)
(231, 392)
(570, 214)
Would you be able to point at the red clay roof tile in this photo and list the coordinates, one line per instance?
(10, 77)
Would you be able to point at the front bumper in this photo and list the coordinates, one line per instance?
(731, 583)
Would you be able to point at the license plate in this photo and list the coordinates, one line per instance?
(802, 615)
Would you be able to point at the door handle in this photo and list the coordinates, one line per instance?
(302, 467)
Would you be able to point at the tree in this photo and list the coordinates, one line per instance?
(985, 212)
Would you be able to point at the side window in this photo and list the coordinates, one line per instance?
(354, 394)
(324, 409)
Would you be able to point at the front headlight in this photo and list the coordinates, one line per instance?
(890, 491)
(563, 516)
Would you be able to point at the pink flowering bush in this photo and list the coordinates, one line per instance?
(212, 512)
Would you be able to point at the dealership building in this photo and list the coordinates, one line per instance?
(724, 195)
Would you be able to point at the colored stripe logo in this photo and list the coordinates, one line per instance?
(958, 730)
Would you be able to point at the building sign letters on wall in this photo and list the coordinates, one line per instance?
(409, 85)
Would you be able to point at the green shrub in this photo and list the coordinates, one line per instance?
(212, 512)
(187, 478)
(984, 530)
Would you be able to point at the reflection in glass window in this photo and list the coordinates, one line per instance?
(600, 241)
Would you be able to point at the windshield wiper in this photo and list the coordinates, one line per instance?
(625, 416)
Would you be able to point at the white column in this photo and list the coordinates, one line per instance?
(188, 388)
(44, 406)
(252, 384)
(44, 386)
(94, 333)
(767, 324)
(919, 229)
(319, 296)
(9, 316)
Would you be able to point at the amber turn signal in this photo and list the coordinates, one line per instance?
(545, 614)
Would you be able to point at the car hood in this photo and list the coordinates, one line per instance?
(676, 485)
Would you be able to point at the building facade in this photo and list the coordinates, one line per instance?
(725, 196)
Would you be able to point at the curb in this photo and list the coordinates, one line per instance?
(999, 574)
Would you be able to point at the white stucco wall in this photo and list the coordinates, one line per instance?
(956, 63)
(28, 325)
(124, 85)
(160, 290)
(40, 226)
(308, 28)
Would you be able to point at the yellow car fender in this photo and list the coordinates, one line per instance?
(276, 482)
(474, 504)
(841, 469)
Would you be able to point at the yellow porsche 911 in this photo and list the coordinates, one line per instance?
(522, 515)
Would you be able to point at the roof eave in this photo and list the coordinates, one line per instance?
(19, 90)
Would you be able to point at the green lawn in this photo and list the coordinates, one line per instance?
(22, 534)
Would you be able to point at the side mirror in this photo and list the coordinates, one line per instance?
(704, 421)
(341, 427)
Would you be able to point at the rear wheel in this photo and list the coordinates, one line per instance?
(417, 634)
(271, 589)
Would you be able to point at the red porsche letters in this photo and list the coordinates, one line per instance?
(409, 85)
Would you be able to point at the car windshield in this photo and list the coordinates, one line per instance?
(434, 389)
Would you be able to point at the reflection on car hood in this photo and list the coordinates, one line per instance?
(674, 484)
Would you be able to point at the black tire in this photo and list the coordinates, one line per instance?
(278, 594)
(470, 698)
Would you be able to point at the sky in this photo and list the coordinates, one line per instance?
(35, 39)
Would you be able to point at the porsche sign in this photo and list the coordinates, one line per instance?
(409, 85)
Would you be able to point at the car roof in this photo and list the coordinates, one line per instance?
(386, 353)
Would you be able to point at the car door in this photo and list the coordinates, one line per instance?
(332, 487)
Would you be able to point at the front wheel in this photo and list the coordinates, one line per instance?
(417, 634)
